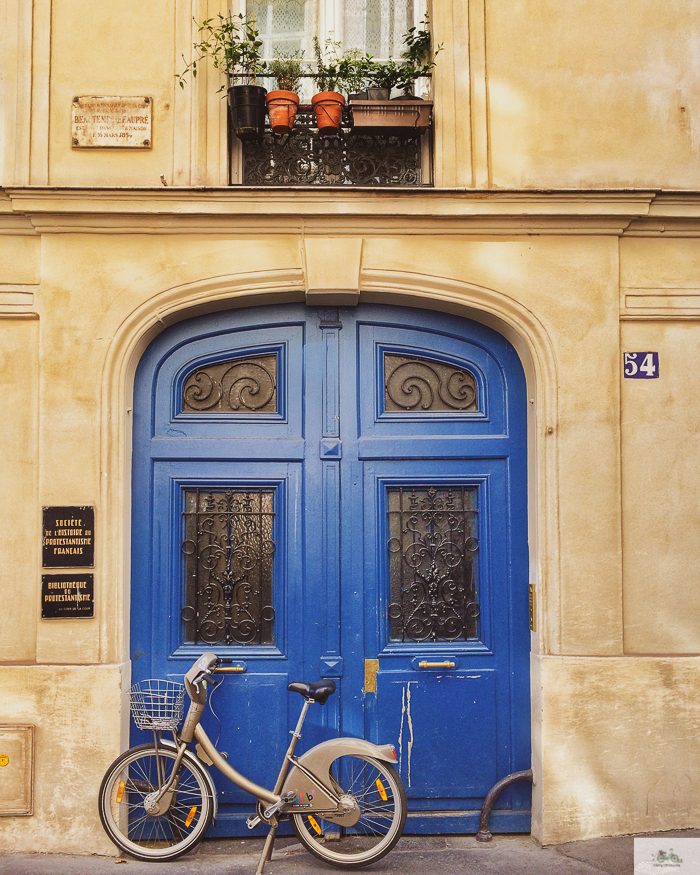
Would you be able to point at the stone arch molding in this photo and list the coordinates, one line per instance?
(490, 306)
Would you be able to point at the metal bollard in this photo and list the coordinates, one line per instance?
(484, 834)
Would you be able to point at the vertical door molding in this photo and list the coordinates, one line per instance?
(330, 452)
(199, 140)
(16, 45)
(40, 61)
(459, 84)
(480, 155)
(25, 47)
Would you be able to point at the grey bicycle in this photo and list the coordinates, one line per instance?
(343, 797)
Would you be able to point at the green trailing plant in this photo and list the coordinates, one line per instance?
(385, 74)
(334, 71)
(359, 66)
(287, 69)
(418, 56)
(234, 46)
(417, 60)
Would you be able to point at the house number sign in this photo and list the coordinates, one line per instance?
(641, 365)
(112, 122)
(68, 537)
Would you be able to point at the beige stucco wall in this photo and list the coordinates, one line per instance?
(621, 745)
(102, 294)
(530, 94)
(75, 710)
(660, 296)
(593, 94)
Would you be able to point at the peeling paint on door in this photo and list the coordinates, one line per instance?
(406, 718)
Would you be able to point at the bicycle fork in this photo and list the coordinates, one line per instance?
(165, 793)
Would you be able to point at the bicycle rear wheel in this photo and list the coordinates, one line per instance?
(377, 789)
(125, 788)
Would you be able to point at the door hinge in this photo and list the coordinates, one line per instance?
(532, 604)
(371, 669)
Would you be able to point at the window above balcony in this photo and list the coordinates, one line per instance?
(372, 26)
(379, 141)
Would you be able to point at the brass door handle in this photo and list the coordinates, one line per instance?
(446, 664)
(229, 669)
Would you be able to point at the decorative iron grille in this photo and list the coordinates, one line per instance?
(421, 384)
(240, 386)
(432, 554)
(228, 550)
(308, 157)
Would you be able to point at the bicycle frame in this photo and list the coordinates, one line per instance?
(298, 787)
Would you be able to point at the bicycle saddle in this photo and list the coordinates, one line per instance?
(319, 692)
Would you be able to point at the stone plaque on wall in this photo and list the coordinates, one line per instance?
(68, 537)
(16, 770)
(112, 122)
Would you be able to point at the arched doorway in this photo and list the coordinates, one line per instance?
(323, 492)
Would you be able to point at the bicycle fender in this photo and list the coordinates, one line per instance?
(310, 795)
(191, 757)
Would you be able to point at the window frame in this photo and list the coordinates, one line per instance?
(330, 24)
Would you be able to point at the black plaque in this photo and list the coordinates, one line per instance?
(67, 596)
(68, 537)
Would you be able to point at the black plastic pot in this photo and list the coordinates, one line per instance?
(247, 107)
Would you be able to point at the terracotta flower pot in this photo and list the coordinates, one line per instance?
(282, 109)
(328, 106)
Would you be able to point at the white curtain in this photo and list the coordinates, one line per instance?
(286, 26)
(377, 26)
(374, 26)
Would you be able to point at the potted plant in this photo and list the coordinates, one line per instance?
(282, 104)
(235, 47)
(418, 57)
(331, 75)
(382, 76)
(358, 68)
(411, 115)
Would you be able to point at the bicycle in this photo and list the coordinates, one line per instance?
(344, 799)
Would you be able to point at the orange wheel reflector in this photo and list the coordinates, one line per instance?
(120, 791)
(382, 791)
(190, 816)
(314, 824)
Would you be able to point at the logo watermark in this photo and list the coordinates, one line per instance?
(656, 855)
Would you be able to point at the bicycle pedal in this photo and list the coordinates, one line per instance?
(253, 821)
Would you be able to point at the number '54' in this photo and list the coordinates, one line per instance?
(641, 365)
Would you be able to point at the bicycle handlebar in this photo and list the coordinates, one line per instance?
(201, 668)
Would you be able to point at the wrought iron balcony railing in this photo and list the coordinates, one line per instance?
(385, 153)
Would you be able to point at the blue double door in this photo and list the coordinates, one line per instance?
(341, 493)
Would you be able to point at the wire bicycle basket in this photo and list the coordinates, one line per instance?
(157, 704)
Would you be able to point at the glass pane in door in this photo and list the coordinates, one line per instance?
(433, 571)
(228, 551)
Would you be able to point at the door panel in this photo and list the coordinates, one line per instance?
(319, 491)
(441, 428)
(424, 713)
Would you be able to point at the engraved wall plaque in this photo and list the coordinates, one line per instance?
(16, 770)
(67, 596)
(68, 537)
(112, 122)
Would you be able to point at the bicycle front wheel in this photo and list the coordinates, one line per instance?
(186, 810)
(380, 795)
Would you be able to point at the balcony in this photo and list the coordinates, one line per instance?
(380, 143)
